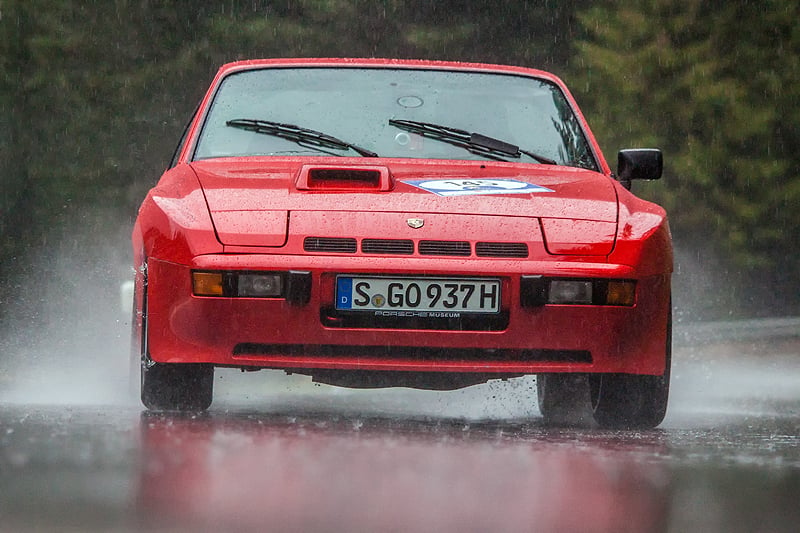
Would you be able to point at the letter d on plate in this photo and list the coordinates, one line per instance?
(344, 293)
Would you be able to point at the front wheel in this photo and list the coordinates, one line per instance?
(564, 399)
(623, 401)
(165, 386)
(620, 401)
(629, 401)
(177, 386)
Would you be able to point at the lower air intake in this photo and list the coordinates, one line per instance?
(413, 353)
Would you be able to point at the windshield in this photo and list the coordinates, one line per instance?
(356, 104)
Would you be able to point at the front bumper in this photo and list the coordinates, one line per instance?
(274, 333)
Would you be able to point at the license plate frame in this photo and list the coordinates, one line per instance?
(418, 294)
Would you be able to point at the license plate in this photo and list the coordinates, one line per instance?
(471, 295)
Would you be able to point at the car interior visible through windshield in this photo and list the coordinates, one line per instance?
(354, 105)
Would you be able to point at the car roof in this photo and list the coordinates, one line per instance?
(254, 64)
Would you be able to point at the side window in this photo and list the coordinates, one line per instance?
(184, 136)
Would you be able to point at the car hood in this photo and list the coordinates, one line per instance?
(250, 200)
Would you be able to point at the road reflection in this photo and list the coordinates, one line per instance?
(313, 472)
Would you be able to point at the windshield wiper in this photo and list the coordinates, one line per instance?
(474, 142)
(301, 136)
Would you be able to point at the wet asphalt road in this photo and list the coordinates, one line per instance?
(278, 453)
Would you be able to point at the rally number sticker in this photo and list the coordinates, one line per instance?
(466, 187)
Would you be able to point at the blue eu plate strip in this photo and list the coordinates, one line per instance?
(344, 292)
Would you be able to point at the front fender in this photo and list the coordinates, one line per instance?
(174, 223)
(643, 240)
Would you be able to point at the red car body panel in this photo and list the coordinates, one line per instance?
(254, 213)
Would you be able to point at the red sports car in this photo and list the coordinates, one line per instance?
(384, 223)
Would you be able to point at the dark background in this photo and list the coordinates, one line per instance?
(94, 95)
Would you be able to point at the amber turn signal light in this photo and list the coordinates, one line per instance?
(621, 293)
(207, 283)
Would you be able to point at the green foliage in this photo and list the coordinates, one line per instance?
(715, 85)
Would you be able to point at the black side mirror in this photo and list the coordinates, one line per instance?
(639, 164)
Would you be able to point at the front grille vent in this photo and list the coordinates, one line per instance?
(347, 245)
(387, 246)
(501, 249)
(330, 245)
(456, 248)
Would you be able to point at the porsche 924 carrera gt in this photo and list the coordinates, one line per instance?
(384, 223)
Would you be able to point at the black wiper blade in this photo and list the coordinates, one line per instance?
(474, 142)
(301, 136)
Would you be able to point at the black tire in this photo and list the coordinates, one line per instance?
(619, 401)
(177, 386)
(564, 399)
(628, 402)
(632, 401)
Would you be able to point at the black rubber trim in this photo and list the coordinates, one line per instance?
(413, 352)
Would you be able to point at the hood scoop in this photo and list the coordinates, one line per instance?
(344, 178)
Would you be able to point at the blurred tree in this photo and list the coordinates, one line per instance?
(84, 117)
(715, 85)
(14, 136)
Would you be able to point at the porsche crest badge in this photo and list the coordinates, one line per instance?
(415, 223)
